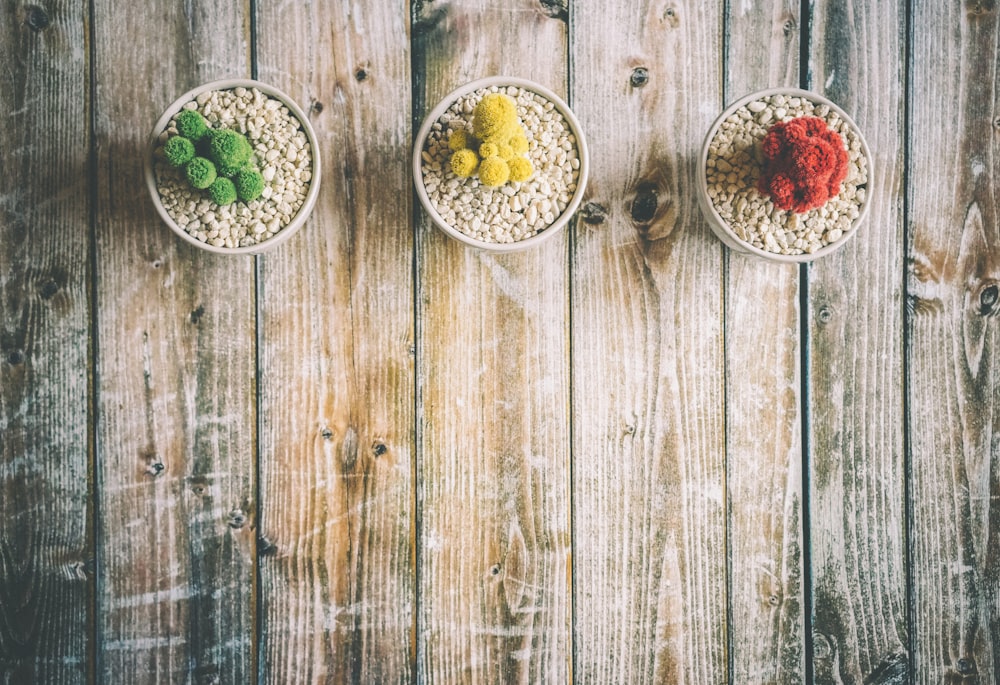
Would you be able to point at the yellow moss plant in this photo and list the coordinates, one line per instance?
(501, 142)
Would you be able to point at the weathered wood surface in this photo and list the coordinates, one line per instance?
(493, 375)
(856, 496)
(952, 288)
(176, 418)
(375, 455)
(647, 347)
(46, 554)
(763, 398)
(336, 359)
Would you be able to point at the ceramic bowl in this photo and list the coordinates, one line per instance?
(858, 178)
(151, 162)
(436, 114)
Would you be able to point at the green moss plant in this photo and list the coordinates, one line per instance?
(222, 191)
(249, 184)
(192, 125)
(229, 150)
(178, 150)
(200, 173)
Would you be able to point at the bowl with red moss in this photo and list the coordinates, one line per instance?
(784, 175)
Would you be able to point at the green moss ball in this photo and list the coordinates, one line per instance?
(200, 173)
(222, 191)
(178, 150)
(191, 125)
(230, 149)
(249, 184)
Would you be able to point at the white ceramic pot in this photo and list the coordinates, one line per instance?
(314, 183)
(722, 228)
(581, 150)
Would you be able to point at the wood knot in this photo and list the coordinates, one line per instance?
(36, 18)
(15, 357)
(893, 669)
(495, 570)
(155, 467)
(671, 17)
(966, 666)
(989, 298)
(327, 434)
(265, 547)
(379, 448)
(52, 285)
(594, 213)
(200, 486)
(788, 26)
(645, 203)
(639, 77)
(360, 74)
(317, 107)
(237, 518)
(197, 314)
(557, 9)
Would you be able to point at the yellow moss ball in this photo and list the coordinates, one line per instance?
(464, 162)
(488, 150)
(506, 152)
(519, 143)
(493, 172)
(496, 114)
(458, 140)
(521, 169)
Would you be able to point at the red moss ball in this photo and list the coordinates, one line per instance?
(805, 161)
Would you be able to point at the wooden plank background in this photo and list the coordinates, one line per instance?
(377, 456)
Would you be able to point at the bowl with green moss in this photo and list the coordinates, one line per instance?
(233, 167)
(500, 164)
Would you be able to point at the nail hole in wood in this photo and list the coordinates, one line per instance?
(155, 468)
(379, 448)
(317, 107)
(327, 434)
(824, 315)
(360, 74)
(495, 570)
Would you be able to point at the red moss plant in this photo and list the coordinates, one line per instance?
(805, 162)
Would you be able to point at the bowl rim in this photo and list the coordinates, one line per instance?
(722, 229)
(582, 154)
(314, 183)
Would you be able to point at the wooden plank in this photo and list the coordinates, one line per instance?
(857, 489)
(46, 546)
(176, 436)
(650, 590)
(953, 273)
(337, 368)
(493, 396)
(763, 419)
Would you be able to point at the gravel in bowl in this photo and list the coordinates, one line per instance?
(516, 214)
(731, 164)
(284, 155)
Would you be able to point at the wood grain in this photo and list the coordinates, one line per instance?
(46, 547)
(493, 396)
(857, 489)
(763, 418)
(176, 435)
(953, 273)
(336, 350)
(648, 413)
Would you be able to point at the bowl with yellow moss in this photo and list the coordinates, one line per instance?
(500, 164)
